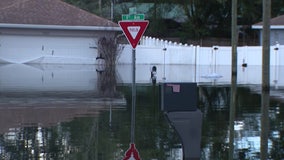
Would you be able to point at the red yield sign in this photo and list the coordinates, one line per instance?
(133, 30)
(131, 153)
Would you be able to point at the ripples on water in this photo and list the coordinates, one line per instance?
(57, 112)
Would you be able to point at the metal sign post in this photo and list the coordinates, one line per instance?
(133, 95)
(133, 26)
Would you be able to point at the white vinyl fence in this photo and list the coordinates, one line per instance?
(156, 51)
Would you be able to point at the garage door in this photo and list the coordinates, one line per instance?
(38, 49)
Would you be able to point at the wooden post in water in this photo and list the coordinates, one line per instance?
(233, 98)
(265, 79)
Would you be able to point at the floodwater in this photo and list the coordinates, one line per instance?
(84, 112)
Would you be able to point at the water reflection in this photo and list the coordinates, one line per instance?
(46, 77)
(38, 101)
(58, 112)
(35, 77)
(247, 126)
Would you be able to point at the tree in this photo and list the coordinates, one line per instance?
(97, 7)
(109, 50)
(204, 18)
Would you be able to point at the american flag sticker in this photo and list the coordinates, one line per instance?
(175, 87)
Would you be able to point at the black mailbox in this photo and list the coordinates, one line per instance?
(178, 96)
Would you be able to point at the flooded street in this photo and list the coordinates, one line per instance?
(84, 112)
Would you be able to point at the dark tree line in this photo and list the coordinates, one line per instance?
(203, 18)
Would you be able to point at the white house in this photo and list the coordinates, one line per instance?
(276, 32)
(49, 31)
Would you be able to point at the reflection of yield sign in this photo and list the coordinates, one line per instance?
(133, 30)
(131, 153)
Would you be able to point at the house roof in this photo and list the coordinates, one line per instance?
(48, 13)
(275, 23)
